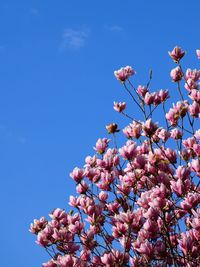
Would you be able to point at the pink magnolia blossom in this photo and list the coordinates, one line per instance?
(195, 95)
(176, 134)
(198, 53)
(192, 74)
(176, 54)
(124, 73)
(133, 130)
(194, 109)
(119, 106)
(142, 90)
(176, 74)
(77, 174)
(101, 145)
(197, 134)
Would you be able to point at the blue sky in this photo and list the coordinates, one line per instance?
(57, 90)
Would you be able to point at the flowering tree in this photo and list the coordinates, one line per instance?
(137, 205)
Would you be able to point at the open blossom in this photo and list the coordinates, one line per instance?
(149, 98)
(197, 134)
(194, 109)
(178, 111)
(192, 74)
(176, 74)
(38, 225)
(191, 84)
(176, 134)
(142, 90)
(65, 261)
(195, 165)
(195, 95)
(198, 53)
(163, 95)
(172, 116)
(149, 127)
(101, 145)
(77, 174)
(129, 150)
(119, 106)
(176, 54)
(124, 73)
(145, 248)
(133, 130)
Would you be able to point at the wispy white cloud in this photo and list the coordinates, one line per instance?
(34, 11)
(114, 28)
(74, 38)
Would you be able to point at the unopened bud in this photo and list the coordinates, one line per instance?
(112, 128)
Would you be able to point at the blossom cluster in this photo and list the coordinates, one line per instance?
(137, 205)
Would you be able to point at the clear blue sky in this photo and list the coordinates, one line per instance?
(57, 90)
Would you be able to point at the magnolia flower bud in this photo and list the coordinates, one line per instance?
(112, 128)
(176, 54)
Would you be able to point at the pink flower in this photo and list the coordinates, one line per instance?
(176, 54)
(112, 128)
(44, 236)
(65, 261)
(180, 187)
(183, 172)
(176, 74)
(196, 149)
(76, 228)
(90, 161)
(73, 201)
(190, 201)
(129, 150)
(149, 98)
(163, 95)
(176, 134)
(151, 226)
(103, 196)
(198, 53)
(197, 134)
(194, 109)
(145, 248)
(119, 106)
(163, 134)
(124, 73)
(172, 116)
(101, 145)
(189, 142)
(192, 74)
(186, 243)
(149, 127)
(82, 187)
(133, 130)
(58, 214)
(186, 154)
(38, 225)
(195, 95)
(142, 90)
(77, 174)
(195, 165)
(191, 84)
